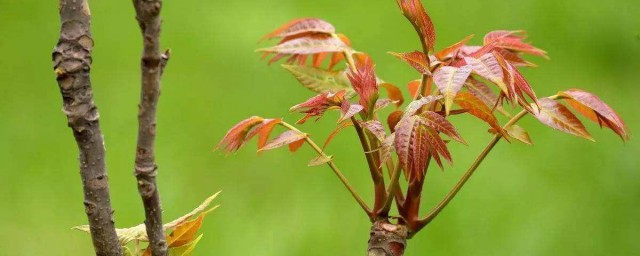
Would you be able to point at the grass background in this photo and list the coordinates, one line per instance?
(562, 196)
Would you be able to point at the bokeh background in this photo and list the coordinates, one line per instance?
(562, 196)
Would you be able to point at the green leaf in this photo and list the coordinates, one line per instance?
(320, 80)
(185, 250)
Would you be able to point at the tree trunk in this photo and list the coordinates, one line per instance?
(152, 66)
(387, 239)
(72, 64)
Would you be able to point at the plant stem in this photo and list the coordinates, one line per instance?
(434, 213)
(393, 187)
(72, 65)
(376, 175)
(335, 169)
(152, 64)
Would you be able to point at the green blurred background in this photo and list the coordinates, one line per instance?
(562, 196)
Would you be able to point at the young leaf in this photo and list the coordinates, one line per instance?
(440, 124)
(416, 105)
(484, 93)
(307, 46)
(294, 146)
(236, 137)
(383, 103)
(320, 160)
(443, 54)
(512, 40)
(393, 119)
(301, 26)
(185, 232)
(519, 133)
(335, 132)
(386, 149)
(317, 105)
(348, 110)
(557, 116)
(596, 110)
(478, 109)
(365, 83)
(417, 60)
(263, 131)
(417, 15)
(185, 250)
(408, 143)
(320, 80)
(375, 128)
(413, 87)
(487, 66)
(394, 93)
(450, 80)
(437, 148)
(285, 138)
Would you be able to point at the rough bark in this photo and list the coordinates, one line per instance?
(387, 239)
(152, 64)
(72, 64)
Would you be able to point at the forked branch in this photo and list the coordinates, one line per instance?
(152, 65)
(72, 64)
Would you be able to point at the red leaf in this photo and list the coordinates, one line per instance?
(383, 103)
(375, 128)
(440, 124)
(394, 93)
(386, 149)
(285, 138)
(557, 116)
(484, 93)
(348, 110)
(450, 80)
(417, 60)
(417, 15)
(236, 137)
(443, 54)
(317, 105)
(416, 105)
(592, 107)
(414, 142)
(512, 40)
(487, 66)
(301, 26)
(478, 109)
(393, 119)
(364, 82)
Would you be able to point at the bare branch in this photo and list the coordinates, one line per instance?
(72, 64)
(152, 65)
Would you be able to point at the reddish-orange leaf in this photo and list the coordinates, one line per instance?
(595, 109)
(417, 15)
(409, 142)
(386, 149)
(394, 93)
(440, 124)
(478, 109)
(417, 60)
(437, 147)
(294, 146)
(301, 26)
(335, 132)
(185, 232)
(557, 116)
(383, 103)
(393, 119)
(413, 87)
(263, 130)
(236, 137)
(450, 80)
(446, 52)
(519, 133)
(317, 105)
(513, 58)
(285, 138)
(484, 93)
